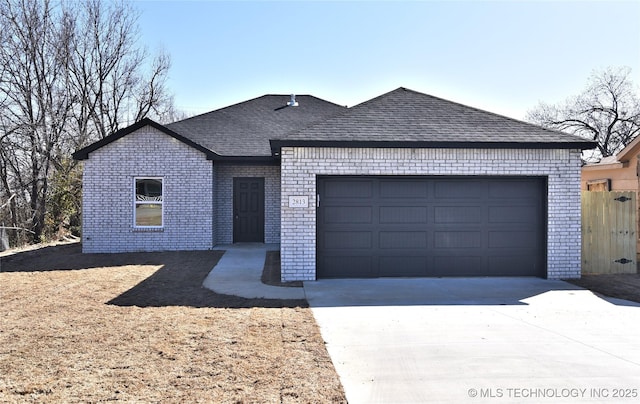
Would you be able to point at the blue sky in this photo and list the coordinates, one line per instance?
(502, 56)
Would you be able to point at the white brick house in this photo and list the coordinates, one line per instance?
(402, 185)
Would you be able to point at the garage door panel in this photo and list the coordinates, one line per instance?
(512, 265)
(391, 266)
(391, 188)
(358, 266)
(348, 214)
(512, 239)
(403, 214)
(458, 239)
(351, 190)
(456, 265)
(458, 214)
(458, 189)
(346, 240)
(402, 240)
(513, 214)
(431, 226)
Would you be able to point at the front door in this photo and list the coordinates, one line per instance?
(248, 210)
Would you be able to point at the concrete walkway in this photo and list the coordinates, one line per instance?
(239, 271)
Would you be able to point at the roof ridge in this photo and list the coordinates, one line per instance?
(404, 114)
(252, 100)
(218, 109)
(520, 121)
(465, 106)
(380, 97)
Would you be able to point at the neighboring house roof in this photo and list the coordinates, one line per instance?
(258, 128)
(606, 163)
(404, 117)
(618, 160)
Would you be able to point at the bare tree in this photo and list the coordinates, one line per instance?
(70, 73)
(35, 107)
(607, 111)
(106, 67)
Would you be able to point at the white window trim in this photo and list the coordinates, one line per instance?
(136, 203)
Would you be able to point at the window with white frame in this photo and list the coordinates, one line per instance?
(148, 209)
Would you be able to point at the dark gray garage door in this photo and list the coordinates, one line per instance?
(430, 226)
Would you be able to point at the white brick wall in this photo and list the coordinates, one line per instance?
(107, 217)
(225, 173)
(193, 188)
(300, 166)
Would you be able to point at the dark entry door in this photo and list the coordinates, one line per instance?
(248, 210)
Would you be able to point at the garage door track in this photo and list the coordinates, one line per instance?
(477, 340)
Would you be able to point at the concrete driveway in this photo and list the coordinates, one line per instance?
(494, 340)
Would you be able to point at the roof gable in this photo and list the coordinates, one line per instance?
(630, 150)
(83, 154)
(239, 132)
(405, 118)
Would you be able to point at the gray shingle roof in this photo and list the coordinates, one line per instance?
(258, 128)
(244, 129)
(404, 115)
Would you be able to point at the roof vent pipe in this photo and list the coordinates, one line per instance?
(292, 102)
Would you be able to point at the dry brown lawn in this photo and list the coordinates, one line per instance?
(139, 327)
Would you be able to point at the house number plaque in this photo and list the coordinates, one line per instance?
(299, 201)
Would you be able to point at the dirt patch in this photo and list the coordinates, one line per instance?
(271, 272)
(140, 327)
(621, 286)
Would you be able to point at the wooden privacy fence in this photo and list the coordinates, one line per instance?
(608, 232)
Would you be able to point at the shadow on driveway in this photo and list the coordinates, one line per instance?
(429, 291)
